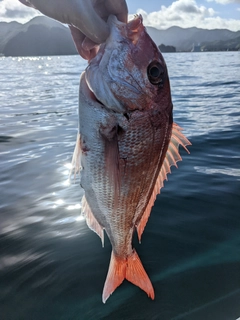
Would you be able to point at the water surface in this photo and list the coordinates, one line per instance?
(52, 266)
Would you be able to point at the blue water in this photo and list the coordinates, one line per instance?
(52, 266)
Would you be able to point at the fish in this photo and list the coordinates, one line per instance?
(126, 144)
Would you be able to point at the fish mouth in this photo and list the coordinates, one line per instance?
(107, 86)
(95, 99)
(107, 97)
(90, 95)
(108, 76)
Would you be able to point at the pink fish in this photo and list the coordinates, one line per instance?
(126, 144)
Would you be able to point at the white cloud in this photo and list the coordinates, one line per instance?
(14, 10)
(182, 13)
(186, 14)
(224, 1)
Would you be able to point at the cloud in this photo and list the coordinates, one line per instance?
(186, 14)
(224, 1)
(182, 13)
(13, 9)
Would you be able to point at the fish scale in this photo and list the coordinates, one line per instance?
(127, 142)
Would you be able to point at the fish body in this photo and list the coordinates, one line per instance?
(127, 143)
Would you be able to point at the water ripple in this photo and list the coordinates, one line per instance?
(190, 247)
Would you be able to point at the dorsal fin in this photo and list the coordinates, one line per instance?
(171, 158)
(91, 220)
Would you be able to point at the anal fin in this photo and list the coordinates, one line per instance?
(91, 220)
(171, 158)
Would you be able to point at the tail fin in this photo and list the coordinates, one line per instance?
(131, 269)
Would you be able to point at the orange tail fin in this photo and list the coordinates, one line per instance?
(131, 269)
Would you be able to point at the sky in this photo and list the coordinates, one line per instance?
(161, 14)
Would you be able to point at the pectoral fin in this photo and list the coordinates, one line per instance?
(110, 136)
(76, 158)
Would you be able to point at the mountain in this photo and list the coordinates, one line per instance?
(40, 36)
(232, 44)
(164, 48)
(183, 39)
(45, 36)
(7, 30)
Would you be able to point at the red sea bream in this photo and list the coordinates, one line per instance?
(126, 144)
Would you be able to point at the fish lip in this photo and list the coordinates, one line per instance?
(112, 20)
(92, 97)
(87, 92)
(106, 81)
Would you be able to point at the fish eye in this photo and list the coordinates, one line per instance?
(155, 73)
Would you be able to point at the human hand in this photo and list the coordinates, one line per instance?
(86, 19)
(92, 28)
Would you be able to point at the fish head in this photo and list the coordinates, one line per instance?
(129, 72)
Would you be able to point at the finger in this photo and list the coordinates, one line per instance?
(91, 24)
(78, 38)
(26, 3)
(119, 9)
(88, 44)
(90, 47)
(78, 13)
(85, 47)
(93, 52)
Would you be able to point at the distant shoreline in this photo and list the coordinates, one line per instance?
(43, 36)
(76, 54)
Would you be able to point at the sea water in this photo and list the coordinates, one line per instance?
(52, 266)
